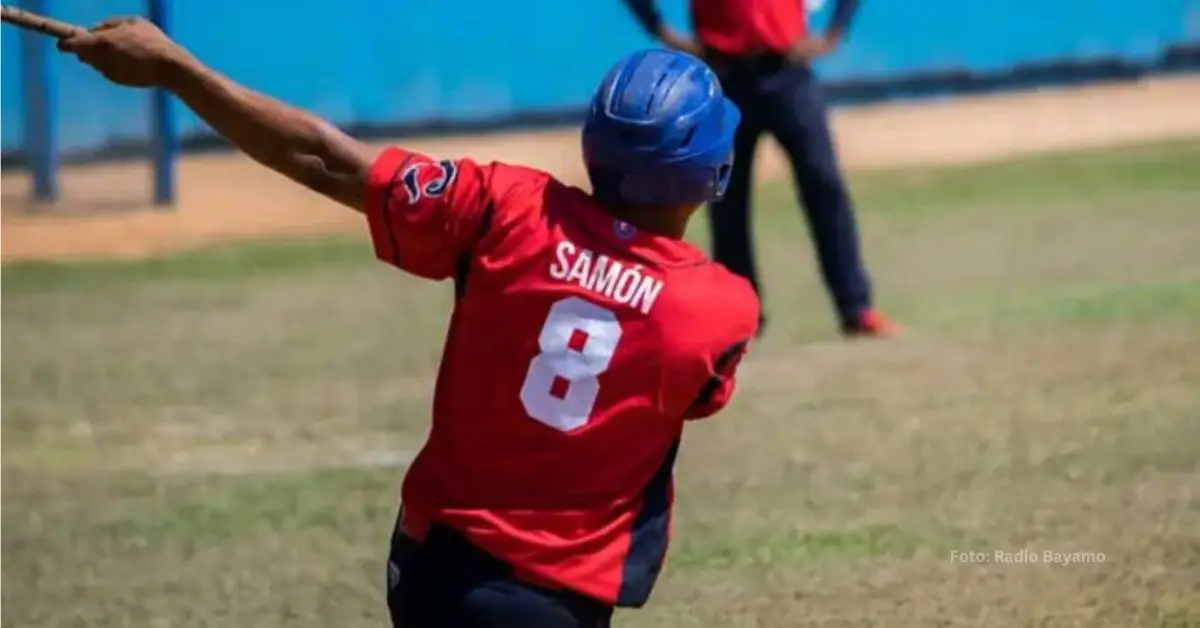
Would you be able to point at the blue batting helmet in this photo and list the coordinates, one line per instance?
(659, 131)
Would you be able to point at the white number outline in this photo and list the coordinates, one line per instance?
(581, 368)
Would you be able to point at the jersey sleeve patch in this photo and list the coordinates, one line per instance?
(428, 179)
(425, 214)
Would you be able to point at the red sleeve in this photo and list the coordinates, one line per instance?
(425, 213)
(718, 390)
(733, 326)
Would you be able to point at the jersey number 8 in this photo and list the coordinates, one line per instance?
(577, 343)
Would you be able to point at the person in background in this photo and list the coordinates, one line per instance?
(762, 52)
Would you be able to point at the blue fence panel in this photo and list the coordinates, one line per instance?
(388, 62)
(891, 38)
(12, 106)
(449, 60)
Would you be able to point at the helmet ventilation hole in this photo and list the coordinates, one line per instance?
(687, 139)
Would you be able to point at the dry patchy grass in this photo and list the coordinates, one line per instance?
(215, 439)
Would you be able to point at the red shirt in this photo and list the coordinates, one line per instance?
(747, 27)
(577, 348)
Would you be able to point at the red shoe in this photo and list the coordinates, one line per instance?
(871, 323)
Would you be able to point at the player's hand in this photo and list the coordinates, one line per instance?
(677, 41)
(809, 49)
(127, 51)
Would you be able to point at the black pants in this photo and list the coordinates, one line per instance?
(787, 102)
(447, 582)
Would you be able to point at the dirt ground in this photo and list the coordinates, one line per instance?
(104, 212)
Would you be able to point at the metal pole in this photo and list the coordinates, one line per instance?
(40, 109)
(165, 141)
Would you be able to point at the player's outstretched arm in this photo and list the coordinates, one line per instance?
(293, 142)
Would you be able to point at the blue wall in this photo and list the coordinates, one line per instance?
(377, 61)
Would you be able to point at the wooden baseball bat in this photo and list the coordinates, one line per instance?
(34, 22)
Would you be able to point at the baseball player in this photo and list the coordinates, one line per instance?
(585, 330)
(761, 50)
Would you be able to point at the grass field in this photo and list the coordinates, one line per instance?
(216, 438)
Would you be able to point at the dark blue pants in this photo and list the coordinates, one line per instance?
(448, 582)
(787, 102)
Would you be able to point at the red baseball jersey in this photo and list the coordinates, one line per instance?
(747, 27)
(577, 348)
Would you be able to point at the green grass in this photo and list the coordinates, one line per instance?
(222, 263)
(215, 438)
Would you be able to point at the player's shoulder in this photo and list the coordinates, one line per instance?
(506, 179)
(514, 192)
(737, 307)
(723, 305)
(517, 201)
(711, 318)
(524, 195)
